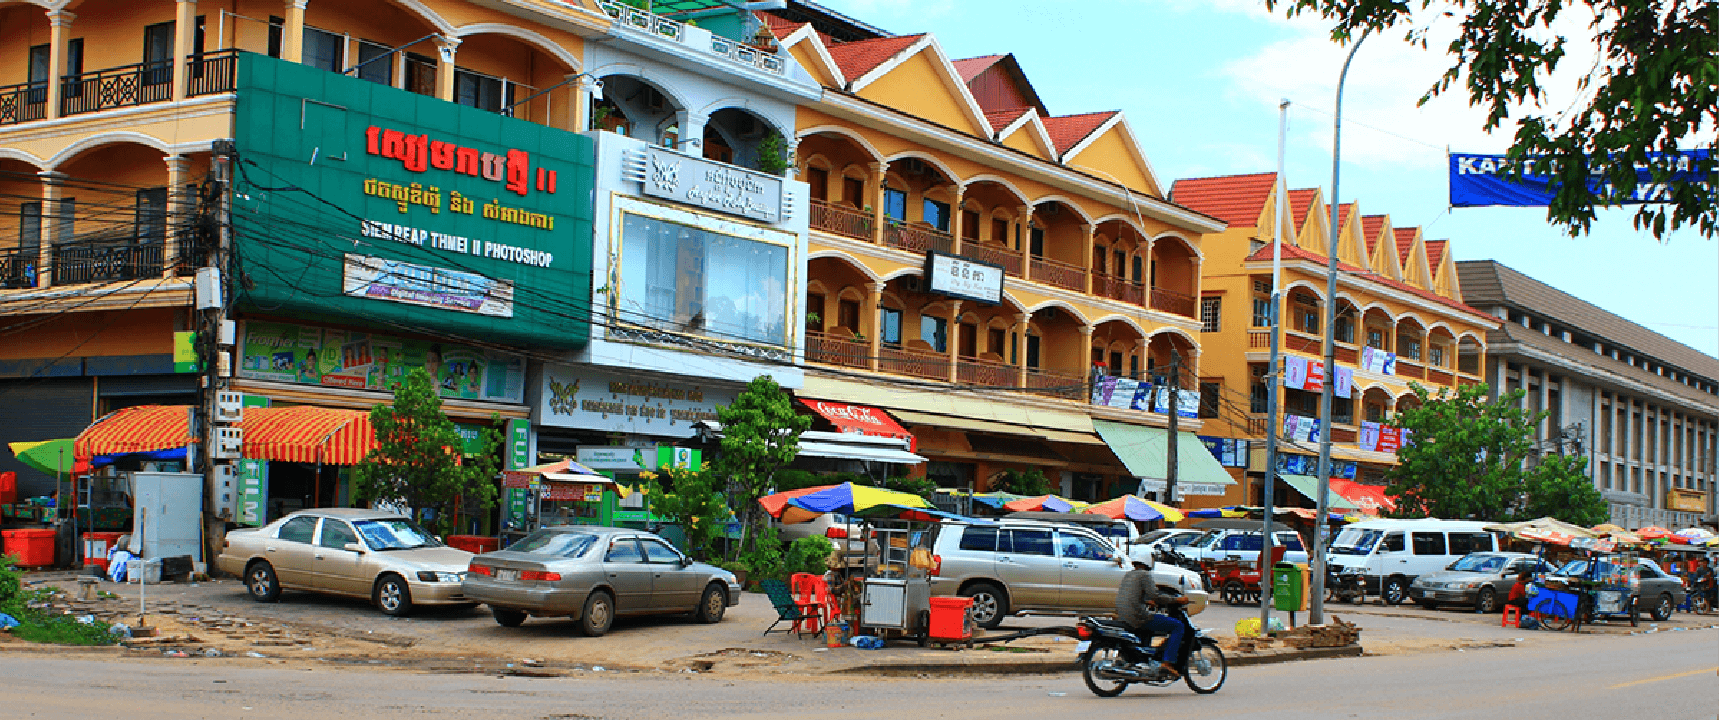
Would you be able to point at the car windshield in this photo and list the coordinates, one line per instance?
(550, 542)
(399, 534)
(1206, 540)
(1479, 563)
(1356, 541)
(1111, 531)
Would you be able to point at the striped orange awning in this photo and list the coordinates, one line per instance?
(308, 435)
(142, 428)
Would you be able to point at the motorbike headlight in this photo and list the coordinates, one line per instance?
(439, 576)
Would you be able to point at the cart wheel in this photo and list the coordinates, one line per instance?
(925, 627)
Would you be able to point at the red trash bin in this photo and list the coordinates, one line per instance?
(476, 544)
(96, 548)
(951, 618)
(34, 548)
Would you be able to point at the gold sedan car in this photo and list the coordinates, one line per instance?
(355, 552)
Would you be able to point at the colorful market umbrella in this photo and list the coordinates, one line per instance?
(849, 499)
(1047, 503)
(776, 503)
(1131, 507)
(997, 499)
(53, 457)
(1228, 512)
(1694, 533)
(1653, 532)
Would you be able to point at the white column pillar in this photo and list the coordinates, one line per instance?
(59, 25)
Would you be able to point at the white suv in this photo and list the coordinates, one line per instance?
(1038, 567)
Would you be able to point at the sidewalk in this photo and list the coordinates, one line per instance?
(216, 619)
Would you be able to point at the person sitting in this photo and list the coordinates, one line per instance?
(1136, 598)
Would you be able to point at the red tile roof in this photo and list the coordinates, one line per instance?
(970, 68)
(1001, 119)
(1236, 199)
(780, 27)
(1371, 227)
(862, 56)
(1344, 212)
(1405, 238)
(1300, 202)
(1435, 251)
(1292, 252)
(1067, 131)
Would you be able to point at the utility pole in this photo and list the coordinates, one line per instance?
(1271, 379)
(1317, 554)
(220, 488)
(1171, 455)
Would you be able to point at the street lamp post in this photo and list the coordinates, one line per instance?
(1317, 558)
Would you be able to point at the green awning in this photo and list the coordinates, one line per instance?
(1309, 486)
(1143, 451)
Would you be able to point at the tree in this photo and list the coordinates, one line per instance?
(416, 463)
(1466, 458)
(694, 501)
(761, 435)
(1652, 90)
(1030, 482)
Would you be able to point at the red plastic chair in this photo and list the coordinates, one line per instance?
(811, 589)
(1513, 617)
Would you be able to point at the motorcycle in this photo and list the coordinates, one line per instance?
(1113, 656)
(1170, 555)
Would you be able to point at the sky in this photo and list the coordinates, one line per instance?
(1200, 82)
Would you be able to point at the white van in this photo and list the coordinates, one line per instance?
(1389, 554)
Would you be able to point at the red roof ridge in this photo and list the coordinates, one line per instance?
(1300, 200)
(971, 67)
(1435, 252)
(1236, 199)
(859, 57)
(1405, 239)
(1067, 131)
(1001, 119)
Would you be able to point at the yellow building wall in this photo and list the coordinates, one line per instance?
(809, 59)
(147, 331)
(917, 87)
(1022, 139)
(1112, 154)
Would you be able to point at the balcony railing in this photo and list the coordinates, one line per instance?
(1297, 342)
(840, 220)
(18, 268)
(117, 87)
(1345, 354)
(1059, 273)
(673, 31)
(1438, 377)
(989, 374)
(834, 350)
(917, 239)
(1408, 369)
(1257, 425)
(919, 363)
(1173, 302)
(1467, 380)
(1119, 289)
(23, 102)
(108, 260)
(212, 73)
(994, 254)
(1260, 339)
(1343, 433)
(1070, 387)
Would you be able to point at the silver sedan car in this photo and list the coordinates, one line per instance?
(593, 574)
(1482, 580)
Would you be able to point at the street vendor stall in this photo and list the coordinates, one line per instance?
(563, 493)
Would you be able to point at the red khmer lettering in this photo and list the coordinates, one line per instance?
(519, 172)
(442, 154)
(468, 162)
(494, 166)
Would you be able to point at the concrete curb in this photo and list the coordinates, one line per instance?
(1049, 667)
(47, 649)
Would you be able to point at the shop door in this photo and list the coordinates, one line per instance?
(626, 570)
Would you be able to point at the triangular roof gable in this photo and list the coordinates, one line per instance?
(1027, 134)
(1110, 136)
(807, 46)
(1002, 67)
(1308, 221)
(1444, 269)
(1413, 257)
(899, 81)
(1352, 248)
(1241, 201)
(1382, 249)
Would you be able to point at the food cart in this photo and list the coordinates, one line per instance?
(896, 590)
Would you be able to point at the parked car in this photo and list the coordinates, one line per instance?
(347, 551)
(1657, 592)
(1174, 538)
(1388, 555)
(593, 574)
(1483, 580)
(1240, 540)
(1121, 534)
(1037, 567)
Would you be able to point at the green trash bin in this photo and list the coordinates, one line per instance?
(1289, 587)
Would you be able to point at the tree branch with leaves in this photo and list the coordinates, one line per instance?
(417, 462)
(761, 436)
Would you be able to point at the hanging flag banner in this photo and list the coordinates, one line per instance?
(1342, 379)
(1379, 361)
(1487, 180)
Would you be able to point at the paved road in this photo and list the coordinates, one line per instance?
(1666, 676)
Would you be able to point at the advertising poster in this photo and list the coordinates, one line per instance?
(282, 352)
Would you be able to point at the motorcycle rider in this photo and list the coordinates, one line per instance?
(1136, 597)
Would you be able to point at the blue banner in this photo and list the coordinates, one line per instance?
(1484, 180)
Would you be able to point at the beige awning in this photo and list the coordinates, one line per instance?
(909, 417)
(1025, 415)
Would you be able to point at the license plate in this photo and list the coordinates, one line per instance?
(507, 575)
(1082, 646)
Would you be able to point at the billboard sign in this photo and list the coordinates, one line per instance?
(370, 204)
(309, 355)
(1490, 180)
(960, 277)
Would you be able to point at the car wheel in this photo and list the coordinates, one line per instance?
(1396, 591)
(712, 604)
(1663, 608)
(1487, 601)
(508, 618)
(261, 583)
(989, 604)
(392, 596)
(598, 615)
(1235, 593)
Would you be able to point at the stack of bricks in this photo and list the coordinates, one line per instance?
(1334, 634)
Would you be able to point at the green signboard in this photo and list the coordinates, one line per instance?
(519, 444)
(362, 203)
(253, 476)
(285, 352)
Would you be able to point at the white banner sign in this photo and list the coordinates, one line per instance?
(963, 278)
(594, 399)
(426, 286)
